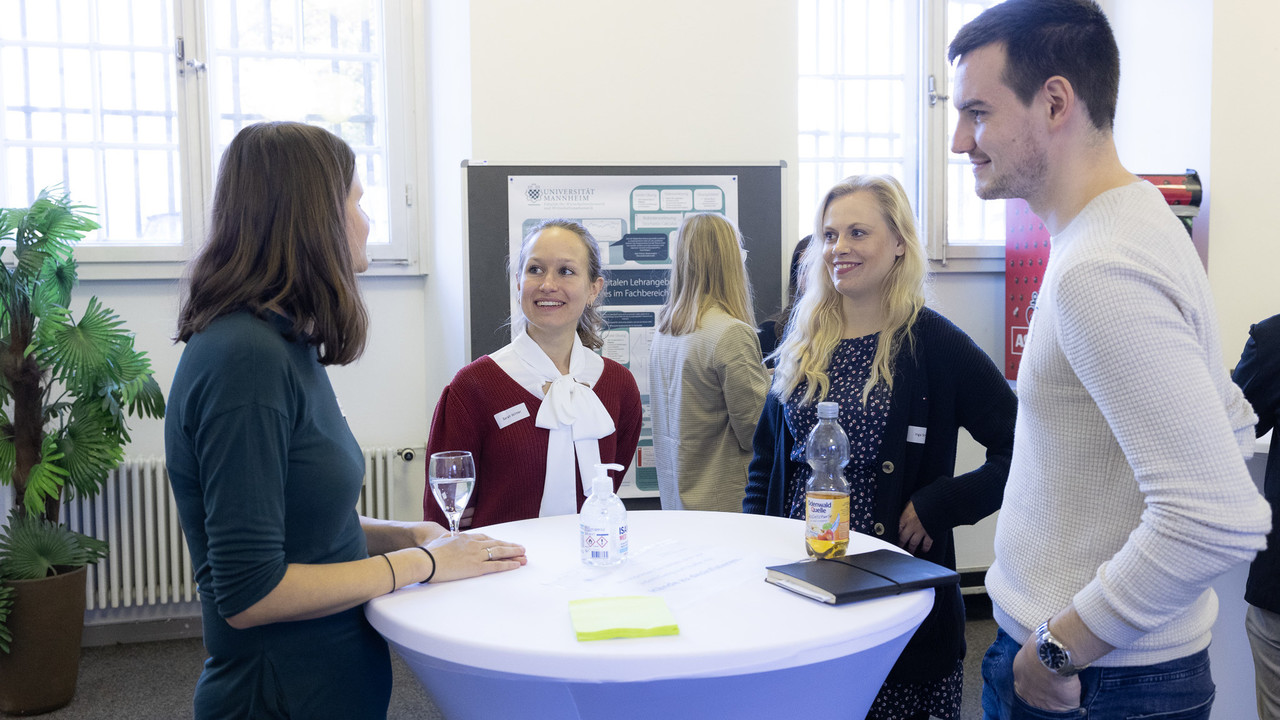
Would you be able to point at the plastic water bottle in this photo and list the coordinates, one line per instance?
(603, 521)
(826, 495)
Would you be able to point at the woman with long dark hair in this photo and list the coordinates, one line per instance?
(264, 468)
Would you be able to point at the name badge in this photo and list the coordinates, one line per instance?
(511, 414)
(915, 434)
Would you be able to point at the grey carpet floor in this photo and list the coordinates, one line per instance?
(155, 680)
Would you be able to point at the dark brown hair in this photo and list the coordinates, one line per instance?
(278, 240)
(1043, 38)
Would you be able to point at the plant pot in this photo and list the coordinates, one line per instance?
(47, 621)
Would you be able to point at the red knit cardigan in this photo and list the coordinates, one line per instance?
(511, 461)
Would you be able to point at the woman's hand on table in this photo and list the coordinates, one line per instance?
(470, 554)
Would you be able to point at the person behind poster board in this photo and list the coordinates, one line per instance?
(1258, 375)
(771, 330)
(264, 469)
(540, 413)
(706, 378)
(906, 380)
(1128, 492)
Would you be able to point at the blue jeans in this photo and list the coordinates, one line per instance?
(1180, 689)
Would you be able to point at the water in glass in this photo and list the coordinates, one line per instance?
(453, 475)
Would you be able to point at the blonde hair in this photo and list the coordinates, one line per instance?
(708, 272)
(817, 321)
(591, 325)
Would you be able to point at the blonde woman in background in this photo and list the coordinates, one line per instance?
(907, 380)
(706, 379)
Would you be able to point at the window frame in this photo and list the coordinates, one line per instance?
(931, 171)
(944, 255)
(403, 34)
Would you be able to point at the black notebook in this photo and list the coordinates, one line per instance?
(860, 577)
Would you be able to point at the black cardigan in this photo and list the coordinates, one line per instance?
(948, 382)
(1258, 374)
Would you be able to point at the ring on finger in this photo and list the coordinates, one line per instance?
(490, 551)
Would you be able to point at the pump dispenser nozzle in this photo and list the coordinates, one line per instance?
(602, 483)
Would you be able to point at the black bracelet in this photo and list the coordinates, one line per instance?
(393, 572)
(433, 564)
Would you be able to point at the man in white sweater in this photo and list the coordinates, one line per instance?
(1128, 492)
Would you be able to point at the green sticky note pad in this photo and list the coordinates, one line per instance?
(621, 617)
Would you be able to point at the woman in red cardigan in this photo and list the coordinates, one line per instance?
(540, 413)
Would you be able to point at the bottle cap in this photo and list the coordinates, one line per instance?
(828, 410)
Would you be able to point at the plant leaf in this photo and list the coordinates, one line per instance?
(6, 605)
(53, 289)
(8, 453)
(144, 397)
(90, 447)
(32, 548)
(88, 372)
(85, 348)
(45, 479)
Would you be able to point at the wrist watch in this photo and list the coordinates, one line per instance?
(1053, 654)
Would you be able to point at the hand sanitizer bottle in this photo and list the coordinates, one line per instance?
(603, 521)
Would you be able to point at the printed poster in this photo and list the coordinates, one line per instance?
(635, 220)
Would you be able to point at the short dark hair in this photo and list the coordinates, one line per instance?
(277, 239)
(1043, 38)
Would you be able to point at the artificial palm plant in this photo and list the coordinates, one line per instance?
(66, 387)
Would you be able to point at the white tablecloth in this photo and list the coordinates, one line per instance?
(709, 567)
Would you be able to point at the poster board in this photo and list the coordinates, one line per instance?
(633, 211)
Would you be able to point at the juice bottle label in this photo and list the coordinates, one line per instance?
(826, 523)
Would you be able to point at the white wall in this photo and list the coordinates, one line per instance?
(382, 394)
(664, 81)
(1244, 251)
(1243, 258)
(1162, 118)
(974, 302)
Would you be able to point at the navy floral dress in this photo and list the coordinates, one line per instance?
(849, 369)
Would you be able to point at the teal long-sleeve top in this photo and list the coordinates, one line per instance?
(266, 472)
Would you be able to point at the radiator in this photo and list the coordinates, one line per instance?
(149, 565)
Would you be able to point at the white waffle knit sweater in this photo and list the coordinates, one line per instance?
(1128, 492)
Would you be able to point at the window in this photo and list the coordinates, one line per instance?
(129, 105)
(875, 98)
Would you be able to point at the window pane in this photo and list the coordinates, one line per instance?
(89, 102)
(970, 220)
(328, 71)
(860, 63)
(854, 92)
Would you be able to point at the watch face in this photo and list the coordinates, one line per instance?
(1052, 656)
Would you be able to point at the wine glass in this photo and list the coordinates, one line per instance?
(453, 475)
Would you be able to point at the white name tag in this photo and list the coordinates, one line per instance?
(511, 414)
(915, 434)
